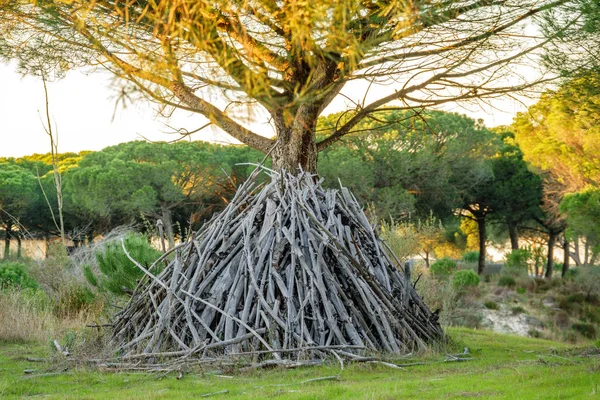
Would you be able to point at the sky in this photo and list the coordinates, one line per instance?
(83, 113)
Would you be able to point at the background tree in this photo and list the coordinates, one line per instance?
(561, 132)
(290, 59)
(517, 190)
(118, 184)
(583, 213)
(560, 136)
(409, 164)
(18, 188)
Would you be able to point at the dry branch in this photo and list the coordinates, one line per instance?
(287, 270)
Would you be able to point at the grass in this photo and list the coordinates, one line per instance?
(504, 367)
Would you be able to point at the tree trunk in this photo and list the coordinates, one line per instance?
(296, 147)
(46, 245)
(7, 237)
(586, 253)
(550, 263)
(167, 220)
(19, 245)
(576, 252)
(427, 259)
(513, 233)
(482, 237)
(566, 257)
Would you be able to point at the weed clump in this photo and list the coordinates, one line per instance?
(586, 330)
(117, 273)
(517, 310)
(14, 274)
(470, 257)
(491, 305)
(464, 279)
(507, 281)
(443, 267)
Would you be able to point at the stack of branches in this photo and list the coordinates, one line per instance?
(289, 269)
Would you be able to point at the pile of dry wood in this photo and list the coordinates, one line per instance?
(287, 269)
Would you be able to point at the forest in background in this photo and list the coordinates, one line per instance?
(441, 182)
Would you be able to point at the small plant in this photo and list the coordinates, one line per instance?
(491, 305)
(443, 267)
(507, 281)
(74, 298)
(470, 257)
(117, 270)
(517, 310)
(465, 278)
(518, 260)
(14, 274)
(534, 333)
(586, 330)
(521, 290)
(561, 319)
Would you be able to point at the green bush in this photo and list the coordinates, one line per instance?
(518, 260)
(471, 257)
(517, 310)
(507, 281)
(586, 330)
(14, 274)
(74, 298)
(117, 271)
(443, 267)
(465, 278)
(491, 305)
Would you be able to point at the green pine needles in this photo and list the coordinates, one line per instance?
(117, 273)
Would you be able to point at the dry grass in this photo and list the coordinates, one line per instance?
(30, 316)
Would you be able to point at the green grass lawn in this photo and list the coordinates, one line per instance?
(503, 367)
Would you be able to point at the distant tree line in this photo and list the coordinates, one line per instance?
(439, 171)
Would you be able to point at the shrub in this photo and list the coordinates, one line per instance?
(586, 330)
(576, 298)
(74, 298)
(465, 278)
(443, 267)
(521, 290)
(470, 257)
(518, 260)
(438, 295)
(517, 310)
(561, 319)
(52, 272)
(534, 333)
(588, 279)
(491, 305)
(14, 274)
(117, 270)
(507, 281)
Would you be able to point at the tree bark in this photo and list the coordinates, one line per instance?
(550, 262)
(566, 257)
(586, 256)
(482, 248)
(576, 252)
(19, 244)
(167, 220)
(296, 147)
(513, 233)
(7, 237)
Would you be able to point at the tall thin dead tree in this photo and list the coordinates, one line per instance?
(56, 173)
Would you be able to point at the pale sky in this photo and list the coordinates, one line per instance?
(82, 107)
